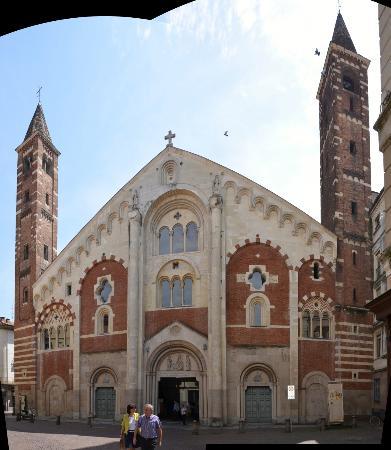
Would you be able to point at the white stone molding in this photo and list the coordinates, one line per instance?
(263, 300)
(97, 285)
(98, 319)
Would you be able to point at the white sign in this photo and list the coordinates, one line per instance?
(291, 392)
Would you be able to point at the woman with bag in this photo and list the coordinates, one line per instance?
(128, 426)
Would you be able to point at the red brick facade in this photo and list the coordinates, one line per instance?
(316, 355)
(59, 362)
(195, 318)
(325, 283)
(118, 304)
(257, 254)
(346, 171)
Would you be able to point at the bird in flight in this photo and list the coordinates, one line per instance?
(317, 52)
(226, 133)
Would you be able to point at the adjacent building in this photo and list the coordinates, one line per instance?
(381, 305)
(7, 362)
(380, 380)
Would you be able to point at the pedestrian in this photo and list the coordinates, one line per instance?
(176, 409)
(128, 426)
(150, 429)
(192, 411)
(183, 413)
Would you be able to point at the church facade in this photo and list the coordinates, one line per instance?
(193, 283)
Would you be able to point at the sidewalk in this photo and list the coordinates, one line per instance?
(46, 435)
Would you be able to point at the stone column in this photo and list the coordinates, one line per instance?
(75, 339)
(132, 391)
(215, 412)
(294, 344)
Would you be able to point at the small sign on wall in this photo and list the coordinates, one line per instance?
(291, 392)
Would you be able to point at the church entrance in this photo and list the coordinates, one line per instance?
(176, 372)
(105, 403)
(104, 398)
(181, 390)
(258, 404)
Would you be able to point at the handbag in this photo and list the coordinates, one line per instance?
(122, 442)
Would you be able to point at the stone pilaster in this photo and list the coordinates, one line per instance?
(133, 389)
(76, 367)
(215, 312)
(294, 347)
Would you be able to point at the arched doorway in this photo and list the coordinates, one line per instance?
(103, 394)
(55, 396)
(258, 397)
(176, 371)
(315, 386)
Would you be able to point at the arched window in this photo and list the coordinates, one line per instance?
(165, 293)
(191, 237)
(47, 164)
(325, 326)
(60, 337)
(164, 241)
(104, 320)
(46, 340)
(257, 278)
(256, 314)
(177, 238)
(316, 271)
(25, 295)
(354, 254)
(27, 161)
(316, 325)
(187, 291)
(53, 338)
(176, 292)
(306, 324)
(26, 252)
(105, 323)
(348, 83)
(67, 335)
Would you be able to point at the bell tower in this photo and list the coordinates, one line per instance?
(345, 165)
(36, 243)
(345, 176)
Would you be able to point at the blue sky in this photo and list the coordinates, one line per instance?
(113, 87)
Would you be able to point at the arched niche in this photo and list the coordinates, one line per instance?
(314, 395)
(180, 360)
(104, 398)
(55, 396)
(259, 376)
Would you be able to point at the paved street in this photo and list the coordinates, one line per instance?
(46, 435)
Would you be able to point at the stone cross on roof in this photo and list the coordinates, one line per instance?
(169, 137)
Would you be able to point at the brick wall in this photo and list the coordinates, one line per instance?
(118, 304)
(195, 318)
(346, 176)
(238, 292)
(325, 283)
(59, 362)
(316, 355)
(36, 225)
